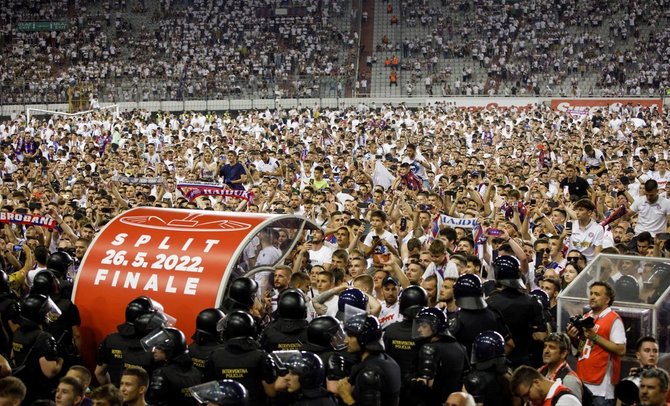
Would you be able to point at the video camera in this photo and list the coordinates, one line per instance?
(628, 390)
(581, 322)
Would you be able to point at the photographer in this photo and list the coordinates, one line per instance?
(601, 340)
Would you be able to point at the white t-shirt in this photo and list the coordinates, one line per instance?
(389, 314)
(651, 217)
(386, 235)
(268, 256)
(323, 256)
(586, 240)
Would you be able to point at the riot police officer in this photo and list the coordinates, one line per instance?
(489, 381)
(289, 330)
(351, 297)
(241, 295)
(34, 351)
(168, 381)
(225, 392)
(375, 380)
(305, 375)
(60, 263)
(522, 313)
(110, 357)
(325, 338)
(207, 336)
(8, 306)
(474, 315)
(442, 363)
(241, 358)
(66, 328)
(398, 340)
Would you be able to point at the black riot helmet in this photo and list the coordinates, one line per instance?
(175, 345)
(469, 293)
(241, 295)
(137, 307)
(148, 322)
(507, 271)
(292, 305)
(239, 324)
(60, 262)
(309, 368)
(366, 329)
(37, 309)
(45, 283)
(327, 332)
(412, 299)
(207, 325)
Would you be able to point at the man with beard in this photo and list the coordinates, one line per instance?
(554, 356)
(390, 306)
(446, 300)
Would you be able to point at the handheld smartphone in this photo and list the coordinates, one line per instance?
(403, 224)
(363, 205)
(568, 226)
(494, 232)
(613, 194)
(308, 238)
(533, 202)
(663, 236)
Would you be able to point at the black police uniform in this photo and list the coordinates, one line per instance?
(122, 350)
(490, 386)
(284, 334)
(468, 323)
(315, 397)
(524, 316)
(61, 329)
(376, 381)
(170, 383)
(200, 352)
(8, 311)
(240, 359)
(400, 346)
(29, 345)
(450, 363)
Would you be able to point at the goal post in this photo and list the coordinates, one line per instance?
(31, 112)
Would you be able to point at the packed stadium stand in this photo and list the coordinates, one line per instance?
(131, 50)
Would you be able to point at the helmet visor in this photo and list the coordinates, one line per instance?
(155, 339)
(205, 392)
(423, 329)
(337, 340)
(52, 311)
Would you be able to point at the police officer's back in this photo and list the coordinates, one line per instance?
(289, 330)
(34, 356)
(522, 313)
(399, 342)
(61, 264)
(474, 316)
(8, 315)
(241, 358)
(111, 352)
(168, 382)
(376, 380)
(442, 362)
(489, 379)
(66, 328)
(207, 336)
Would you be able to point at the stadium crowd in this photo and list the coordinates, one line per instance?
(518, 51)
(444, 232)
(177, 50)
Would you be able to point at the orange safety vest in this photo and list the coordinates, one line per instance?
(593, 361)
(387, 62)
(393, 77)
(395, 60)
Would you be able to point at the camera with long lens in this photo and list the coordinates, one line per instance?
(581, 323)
(628, 390)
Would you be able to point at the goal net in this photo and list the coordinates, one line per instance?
(32, 112)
